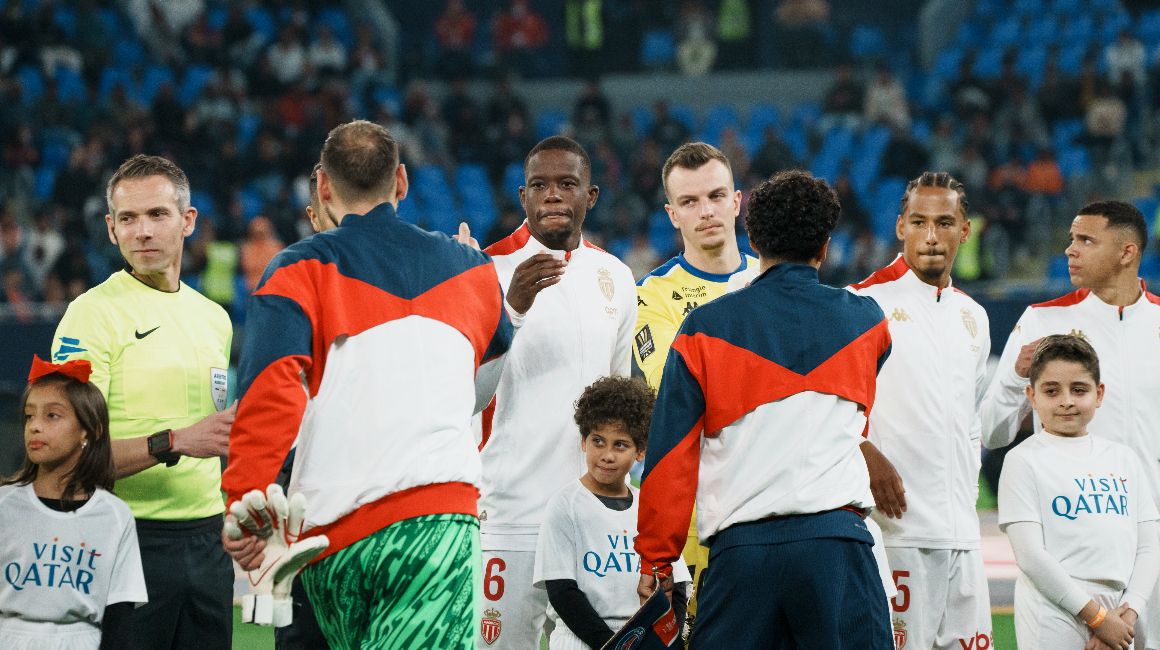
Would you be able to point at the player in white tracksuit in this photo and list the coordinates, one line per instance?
(1114, 312)
(579, 329)
(924, 423)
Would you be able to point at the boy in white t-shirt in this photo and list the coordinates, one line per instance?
(585, 555)
(1079, 514)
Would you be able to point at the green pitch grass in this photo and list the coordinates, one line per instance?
(254, 637)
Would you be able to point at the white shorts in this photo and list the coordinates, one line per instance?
(942, 600)
(563, 639)
(19, 634)
(510, 599)
(1041, 625)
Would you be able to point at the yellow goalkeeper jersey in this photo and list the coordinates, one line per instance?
(161, 361)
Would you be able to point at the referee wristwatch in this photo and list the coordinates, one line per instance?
(161, 448)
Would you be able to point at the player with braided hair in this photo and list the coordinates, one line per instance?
(922, 447)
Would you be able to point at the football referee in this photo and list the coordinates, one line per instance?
(160, 352)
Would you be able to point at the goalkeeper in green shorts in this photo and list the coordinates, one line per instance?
(368, 348)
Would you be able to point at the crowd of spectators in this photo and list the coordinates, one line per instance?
(250, 132)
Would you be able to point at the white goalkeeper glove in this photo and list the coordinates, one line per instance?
(272, 518)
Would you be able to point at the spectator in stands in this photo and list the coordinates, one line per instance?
(56, 48)
(734, 27)
(367, 63)
(667, 131)
(646, 172)
(239, 38)
(641, 258)
(260, 247)
(1005, 210)
(502, 104)
(465, 127)
(844, 102)
(696, 49)
(1125, 55)
(801, 32)
(624, 136)
(1019, 123)
(854, 219)
(201, 42)
(327, 55)
(42, 247)
(969, 93)
(1057, 96)
(773, 156)
(904, 156)
(161, 29)
(1105, 118)
(736, 153)
(1043, 182)
(455, 36)
(168, 115)
(77, 182)
(287, 57)
(886, 102)
(95, 41)
(592, 105)
(518, 34)
(943, 146)
(1009, 79)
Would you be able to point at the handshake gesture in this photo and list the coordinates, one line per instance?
(261, 532)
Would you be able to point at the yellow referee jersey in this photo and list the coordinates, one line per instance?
(161, 361)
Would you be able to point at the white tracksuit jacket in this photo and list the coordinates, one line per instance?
(1127, 340)
(576, 332)
(924, 420)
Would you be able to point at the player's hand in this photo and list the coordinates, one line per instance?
(648, 584)
(464, 237)
(1094, 643)
(247, 551)
(535, 274)
(208, 437)
(1114, 630)
(1023, 363)
(885, 483)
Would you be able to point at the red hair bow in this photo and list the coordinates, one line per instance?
(78, 369)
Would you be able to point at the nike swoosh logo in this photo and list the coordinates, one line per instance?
(139, 335)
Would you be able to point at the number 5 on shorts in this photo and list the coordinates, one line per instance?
(493, 583)
(903, 592)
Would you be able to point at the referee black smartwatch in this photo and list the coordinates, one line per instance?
(161, 448)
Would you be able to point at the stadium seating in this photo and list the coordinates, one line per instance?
(658, 49)
(1057, 268)
(548, 123)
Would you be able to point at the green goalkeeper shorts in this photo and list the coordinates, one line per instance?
(414, 584)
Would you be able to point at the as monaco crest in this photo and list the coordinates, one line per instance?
(971, 325)
(900, 632)
(490, 625)
(606, 286)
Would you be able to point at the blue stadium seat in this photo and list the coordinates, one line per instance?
(1071, 56)
(620, 247)
(1150, 267)
(661, 234)
(435, 195)
(884, 209)
(989, 8)
(868, 160)
(110, 77)
(339, 23)
(989, 65)
(642, 120)
(1005, 33)
(1112, 24)
(806, 115)
(216, 17)
(1104, 6)
(262, 21)
(31, 84)
(1147, 206)
(761, 116)
(658, 49)
(513, 179)
(717, 119)
(946, 66)
(251, 201)
(685, 115)
(1031, 62)
(795, 137)
(56, 152)
(838, 143)
(548, 123)
(970, 33)
(65, 17)
(1027, 7)
(1044, 31)
(112, 20)
(1057, 268)
(155, 77)
(921, 132)
(195, 79)
(1066, 7)
(474, 190)
(204, 204)
(70, 87)
(248, 125)
(1148, 26)
(1080, 29)
(1073, 162)
(386, 95)
(744, 246)
(128, 53)
(868, 42)
(45, 180)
